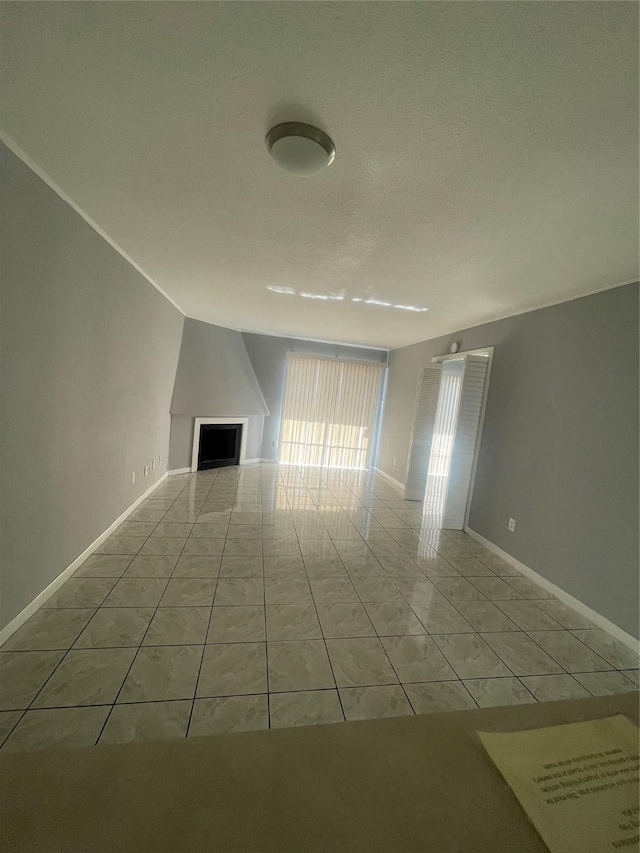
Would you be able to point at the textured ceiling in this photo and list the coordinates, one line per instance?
(487, 153)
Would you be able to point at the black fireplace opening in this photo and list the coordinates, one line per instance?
(219, 445)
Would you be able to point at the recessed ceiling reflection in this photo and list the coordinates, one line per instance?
(339, 297)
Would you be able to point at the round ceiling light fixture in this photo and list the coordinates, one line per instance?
(300, 149)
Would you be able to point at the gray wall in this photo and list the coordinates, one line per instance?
(88, 353)
(268, 355)
(559, 449)
(215, 378)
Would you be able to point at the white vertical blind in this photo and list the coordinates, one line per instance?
(465, 442)
(328, 412)
(422, 436)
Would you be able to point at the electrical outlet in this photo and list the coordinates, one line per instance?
(512, 524)
(146, 470)
(394, 461)
(159, 458)
(133, 476)
(153, 463)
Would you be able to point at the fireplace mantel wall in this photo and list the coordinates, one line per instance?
(182, 431)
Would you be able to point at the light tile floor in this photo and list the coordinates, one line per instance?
(270, 596)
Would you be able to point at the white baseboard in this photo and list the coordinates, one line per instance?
(583, 609)
(390, 479)
(55, 584)
(179, 471)
(252, 461)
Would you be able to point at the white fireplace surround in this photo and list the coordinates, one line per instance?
(196, 436)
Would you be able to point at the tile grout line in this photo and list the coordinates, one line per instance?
(453, 603)
(310, 690)
(63, 658)
(386, 652)
(206, 636)
(324, 639)
(71, 647)
(341, 506)
(266, 636)
(67, 651)
(135, 656)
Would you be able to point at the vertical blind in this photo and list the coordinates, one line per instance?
(328, 412)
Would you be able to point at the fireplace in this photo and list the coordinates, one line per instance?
(218, 442)
(219, 445)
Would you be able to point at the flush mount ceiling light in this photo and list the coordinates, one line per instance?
(300, 149)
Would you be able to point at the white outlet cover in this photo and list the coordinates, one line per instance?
(512, 524)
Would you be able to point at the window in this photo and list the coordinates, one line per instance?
(329, 412)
